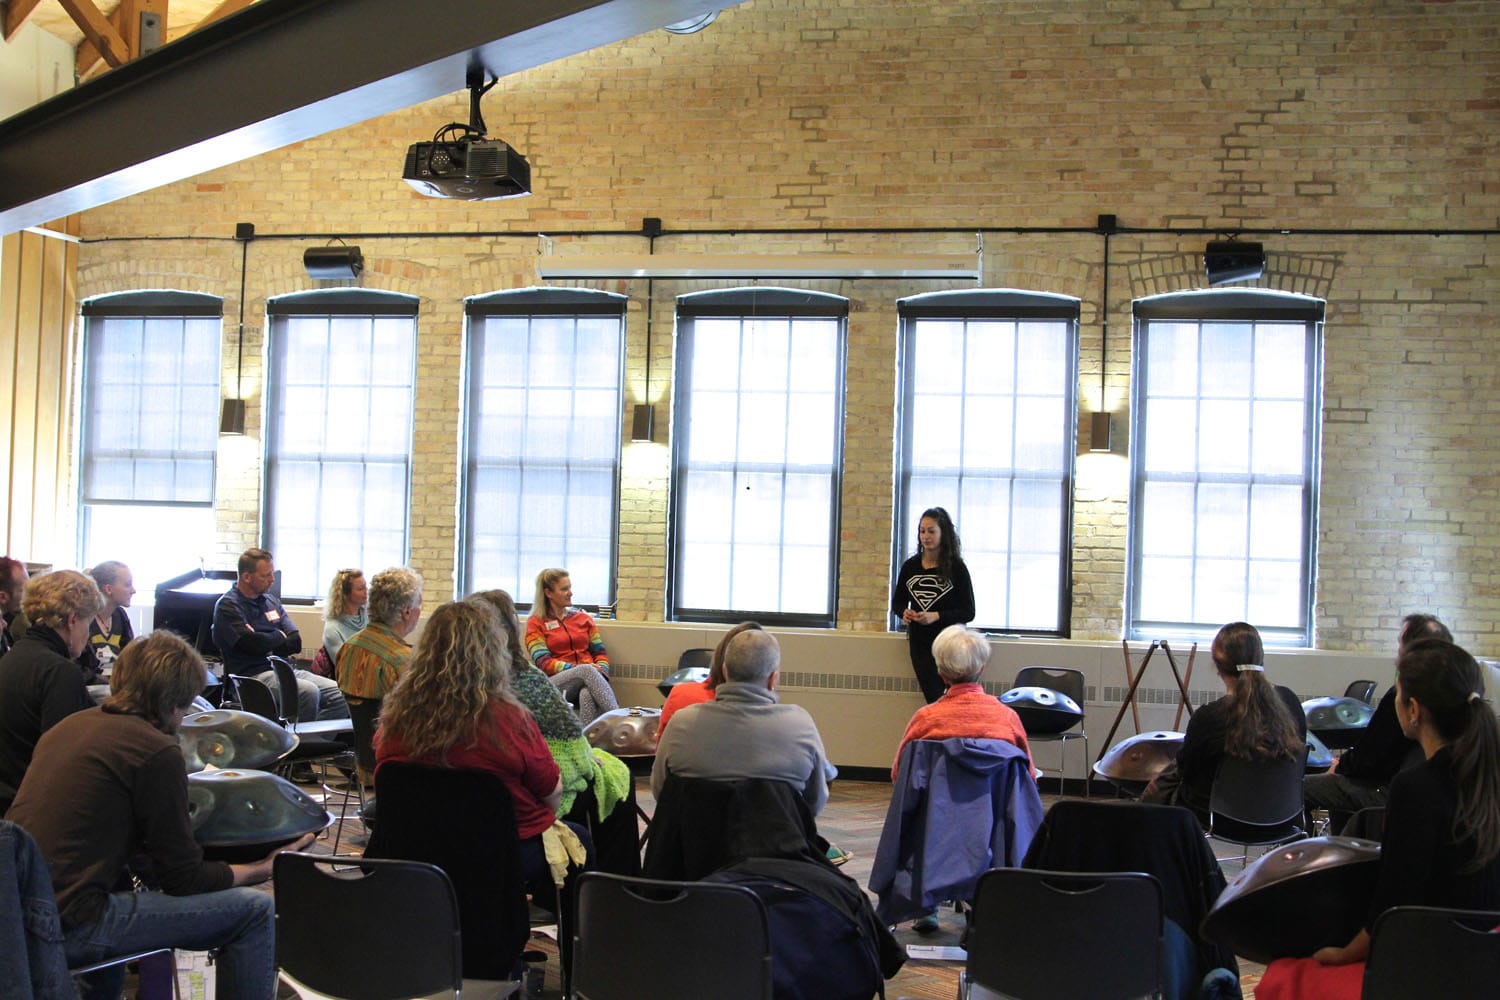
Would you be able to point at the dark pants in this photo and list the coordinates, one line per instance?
(561, 901)
(617, 837)
(922, 663)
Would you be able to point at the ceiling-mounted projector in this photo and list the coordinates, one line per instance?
(463, 162)
(467, 169)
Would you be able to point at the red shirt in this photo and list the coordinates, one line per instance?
(965, 710)
(681, 696)
(508, 744)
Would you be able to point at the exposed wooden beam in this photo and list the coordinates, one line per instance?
(223, 10)
(127, 21)
(279, 72)
(16, 13)
(97, 29)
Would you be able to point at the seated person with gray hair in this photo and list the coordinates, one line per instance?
(745, 732)
(964, 710)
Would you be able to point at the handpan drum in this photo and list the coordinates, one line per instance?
(1319, 757)
(226, 737)
(1132, 763)
(1338, 722)
(1296, 899)
(1043, 711)
(687, 675)
(242, 815)
(626, 732)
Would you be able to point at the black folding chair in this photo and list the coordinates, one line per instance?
(1080, 935)
(395, 927)
(631, 934)
(1424, 951)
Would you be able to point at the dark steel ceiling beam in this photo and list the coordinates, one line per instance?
(276, 73)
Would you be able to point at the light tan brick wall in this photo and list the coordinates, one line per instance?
(835, 115)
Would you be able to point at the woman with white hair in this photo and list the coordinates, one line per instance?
(964, 710)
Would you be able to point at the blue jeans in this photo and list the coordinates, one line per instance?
(237, 923)
(317, 697)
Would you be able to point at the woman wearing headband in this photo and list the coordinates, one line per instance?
(1255, 720)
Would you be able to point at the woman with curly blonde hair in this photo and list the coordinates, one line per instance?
(453, 708)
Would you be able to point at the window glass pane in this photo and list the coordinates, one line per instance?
(340, 400)
(156, 542)
(758, 435)
(543, 411)
(991, 442)
(150, 408)
(1222, 487)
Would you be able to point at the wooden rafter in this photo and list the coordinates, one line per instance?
(97, 29)
(126, 19)
(16, 13)
(224, 9)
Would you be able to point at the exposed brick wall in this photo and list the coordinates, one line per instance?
(1197, 115)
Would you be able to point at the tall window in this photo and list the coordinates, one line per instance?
(339, 395)
(542, 450)
(150, 432)
(987, 432)
(757, 451)
(1225, 463)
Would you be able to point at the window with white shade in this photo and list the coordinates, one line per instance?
(542, 417)
(757, 454)
(1224, 458)
(149, 435)
(341, 369)
(987, 433)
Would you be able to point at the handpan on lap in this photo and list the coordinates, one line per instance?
(626, 732)
(226, 737)
(1296, 899)
(1132, 763)
(242, 815)
(1338, 722)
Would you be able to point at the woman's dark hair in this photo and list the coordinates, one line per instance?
(1445, 680)
(1260, 724)
(949, 548)
(505, 608)
(1417, 626)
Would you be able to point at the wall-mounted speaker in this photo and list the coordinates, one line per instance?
(333, 263)
(1230, 260)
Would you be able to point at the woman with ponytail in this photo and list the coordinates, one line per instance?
(1442, 830)
(1255, 720)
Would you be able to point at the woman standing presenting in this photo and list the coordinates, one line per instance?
(564, 644)
(932, 592)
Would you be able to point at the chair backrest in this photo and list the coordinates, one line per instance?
(1258, 793)
(286, 683)
(397, 927)
(1363, 690)
(672, 939)
(701, 825)
(255, 696)
(364, 715)
(1424, 951)
(1063, 679)
(697, 657)
(463, 822)
(1084, 934)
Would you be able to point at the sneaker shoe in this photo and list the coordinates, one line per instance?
(927, 923)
